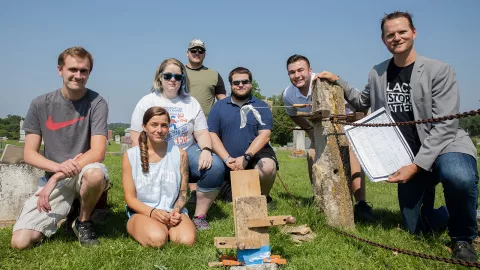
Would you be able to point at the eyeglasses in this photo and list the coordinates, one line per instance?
(168, 76)
(244, 82)
(199, 51)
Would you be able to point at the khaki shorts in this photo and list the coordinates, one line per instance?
(61, 201)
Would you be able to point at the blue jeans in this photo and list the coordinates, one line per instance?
(207, 180)
(459, 176)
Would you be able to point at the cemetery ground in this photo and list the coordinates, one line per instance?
(327, 251)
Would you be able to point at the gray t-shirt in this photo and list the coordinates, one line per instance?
(66, 126)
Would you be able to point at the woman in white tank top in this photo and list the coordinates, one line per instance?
(155, 182)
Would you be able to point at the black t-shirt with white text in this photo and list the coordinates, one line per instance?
(399, 101)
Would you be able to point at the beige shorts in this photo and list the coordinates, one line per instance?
(61, 201)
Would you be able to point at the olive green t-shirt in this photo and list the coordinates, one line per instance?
(205, 83)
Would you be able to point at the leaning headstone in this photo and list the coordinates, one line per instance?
(22, 132)
(298, 144)
(331, 170)
(117, 139)
(18, 182)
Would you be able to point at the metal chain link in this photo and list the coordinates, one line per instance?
(408, 123)
(407, 252)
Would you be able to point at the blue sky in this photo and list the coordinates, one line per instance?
(129, 39)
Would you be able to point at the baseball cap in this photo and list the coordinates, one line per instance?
(197, 43)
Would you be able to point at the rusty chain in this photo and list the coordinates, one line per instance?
(407, 123)
(408, 252)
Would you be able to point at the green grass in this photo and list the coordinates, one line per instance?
(328, 251)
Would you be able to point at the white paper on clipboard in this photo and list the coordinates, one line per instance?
(381, 151)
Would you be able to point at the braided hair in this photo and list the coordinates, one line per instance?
(142, 140)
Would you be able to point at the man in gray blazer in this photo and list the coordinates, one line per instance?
(413, 87)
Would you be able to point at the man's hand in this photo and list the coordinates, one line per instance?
(205, 160)
(240, 163)
(327, 76)
(43, 203)
(161, 216)
(230, 163)
(70, 167)
(404, 174)
(175, 218)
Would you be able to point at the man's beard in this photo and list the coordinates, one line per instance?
(242, 97)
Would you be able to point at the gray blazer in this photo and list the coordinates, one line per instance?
(434, 93)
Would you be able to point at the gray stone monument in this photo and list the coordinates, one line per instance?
(22, 132)
(298, 144)
(18, 182)
(117, 139)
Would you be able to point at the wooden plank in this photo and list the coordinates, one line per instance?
(247, 208)
(225, 242)
(271, 221)
(244, 183)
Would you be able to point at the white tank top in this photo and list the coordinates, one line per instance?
(159, 188)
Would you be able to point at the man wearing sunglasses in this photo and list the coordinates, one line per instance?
(205, 85)
(247, 147)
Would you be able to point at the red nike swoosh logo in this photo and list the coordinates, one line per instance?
(58, 125)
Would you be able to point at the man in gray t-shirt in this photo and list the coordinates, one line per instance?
(73, 124)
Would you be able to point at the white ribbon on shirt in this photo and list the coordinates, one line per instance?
(243, 115)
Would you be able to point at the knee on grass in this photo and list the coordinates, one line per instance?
(24, 239)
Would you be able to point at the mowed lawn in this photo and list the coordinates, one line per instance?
(328, 251)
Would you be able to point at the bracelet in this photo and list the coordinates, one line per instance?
(225, 160)
(151, 212)
(208, 149)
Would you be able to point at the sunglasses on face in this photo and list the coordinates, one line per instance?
(199, 51)
(244, 82)
(168, 76)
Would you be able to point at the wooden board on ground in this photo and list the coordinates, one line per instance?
(247, 208)
(244, 183)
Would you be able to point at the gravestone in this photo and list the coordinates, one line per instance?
(110, 135)
(22, 132)
(18, 182)
(331, 168)
(117, 139)
(126, 144)
(298, 144)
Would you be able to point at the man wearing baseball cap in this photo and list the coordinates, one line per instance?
(205, 85)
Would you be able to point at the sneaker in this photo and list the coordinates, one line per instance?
(465, 251)
(271, 205)
(85, 233)
(193, 197)
(201, 222)
(363, 212)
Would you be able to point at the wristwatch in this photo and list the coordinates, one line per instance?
(208, 149)
(247, 157)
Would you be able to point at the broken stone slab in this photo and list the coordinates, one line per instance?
(299, 234)
(18, 182)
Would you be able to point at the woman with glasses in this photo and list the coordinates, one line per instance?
(155, 183)
(188, 130)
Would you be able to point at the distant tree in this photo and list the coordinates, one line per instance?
(471, 125)
(256, 90)
(118, 128)
(282, 124)
(10, 127)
